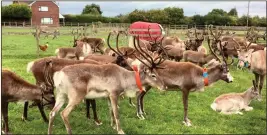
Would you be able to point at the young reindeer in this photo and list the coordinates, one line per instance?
(188, 78)
(232, 103)
(81, 81)
(15, 89)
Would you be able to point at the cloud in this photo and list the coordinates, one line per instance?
(190, 7)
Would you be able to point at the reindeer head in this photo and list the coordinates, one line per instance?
(148, 65)
(121, 58)
(222, 65)
(244, 55)
(253, 92)
(75, 39)
(216, 36)
(47, 88)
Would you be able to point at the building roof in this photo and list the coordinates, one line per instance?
(61, 16)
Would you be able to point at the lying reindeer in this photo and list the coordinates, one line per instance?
(233, 103)
(15, 89)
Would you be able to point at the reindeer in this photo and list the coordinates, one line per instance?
(82, 50)
(97, 44)
(188, 77)
(41, 77)
(256, 62)
(128, 51)
(198, 58)
(193, 43)
(111, 80)
(15, 89)
(232, 103)
(174, 52)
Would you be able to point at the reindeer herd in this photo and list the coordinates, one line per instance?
(88, 71)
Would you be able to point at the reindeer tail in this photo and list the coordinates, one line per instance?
(29, 66)
(58, 77)
(57, 50)
(213, 106)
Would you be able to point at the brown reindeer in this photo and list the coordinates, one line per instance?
(82, 50)
(15, 89)
(188, 77)
(81, 81)
(97, 44)
(256, 62)
(41, 77)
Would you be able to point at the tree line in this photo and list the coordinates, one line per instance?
(169, 15)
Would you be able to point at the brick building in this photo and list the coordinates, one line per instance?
(43, 12)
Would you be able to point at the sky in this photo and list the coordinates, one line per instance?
(113, 8)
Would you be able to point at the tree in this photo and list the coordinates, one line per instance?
(175, 15)
(198, 20)
(92, 9)
(218, 12)
(233, 12)
(16, 12)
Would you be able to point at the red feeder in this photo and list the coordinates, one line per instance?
(143, 29)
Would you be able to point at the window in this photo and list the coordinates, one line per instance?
(43, 8)
(47, 20)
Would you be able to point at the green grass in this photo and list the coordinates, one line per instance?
(164, 110)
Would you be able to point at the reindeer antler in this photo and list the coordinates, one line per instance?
(144, 54)
(213, 51)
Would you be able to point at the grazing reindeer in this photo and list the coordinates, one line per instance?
(232, 103)
(188, 77)
(256, 62)
(128, 51)
(15, 89)
(77, 82)
(41, 77)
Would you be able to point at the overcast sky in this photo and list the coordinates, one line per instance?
(110, 8)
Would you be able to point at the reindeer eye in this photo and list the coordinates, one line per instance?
(153, 75)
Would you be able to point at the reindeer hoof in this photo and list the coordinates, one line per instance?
(23, 118)
(121, 132)
(140, 116)
(187, 123)
(132, 104)
(98, 123)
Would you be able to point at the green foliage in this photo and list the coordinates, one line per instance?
(233, 12)
(92, 9)
(198, 19)
(138, 15)
(87, 18)
(16, 12)
(175, 15)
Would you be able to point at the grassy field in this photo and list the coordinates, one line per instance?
(164, 109)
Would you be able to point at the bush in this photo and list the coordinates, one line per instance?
(16, 12)
(87, 18)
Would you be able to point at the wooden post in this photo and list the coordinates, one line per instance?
(10, 24)
(4, 24)
(16, 24)
(23, 24)
(37, 37)
(71, 24)
(78, 25)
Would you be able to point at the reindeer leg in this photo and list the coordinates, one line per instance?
(87, 102)
(41, 109)
(59, 103)
(262, 78)
(112, 120)
(25, 111)
(65, 113)
(139, 106)
(186, 121)
(114, 102)
(97, 121)
(5, 116)
(131, 103)
(142, 99)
